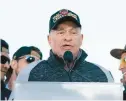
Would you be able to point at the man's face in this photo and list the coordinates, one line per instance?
(23, 61)
(67, 37)
(123, 63)
(5, 64)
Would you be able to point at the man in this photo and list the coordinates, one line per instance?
(67, 61)
(21, 59)
(121, 55)
(23, 56)
(4, 66)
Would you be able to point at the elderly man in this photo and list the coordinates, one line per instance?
(121, 55)
(66, 62)
(4, 66)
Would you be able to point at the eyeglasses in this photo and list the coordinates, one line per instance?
(4, 59)
(28, 58)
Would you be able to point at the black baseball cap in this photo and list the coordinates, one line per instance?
(25, 50)
(118, 52)
(4, 46)
(61, 16)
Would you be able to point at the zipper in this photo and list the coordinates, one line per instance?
(69, 74)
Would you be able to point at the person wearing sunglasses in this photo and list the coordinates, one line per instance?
(21, 59)
(4, 66)
(121, 55)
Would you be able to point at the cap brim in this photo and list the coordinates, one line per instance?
(66, 18)
(117, 53)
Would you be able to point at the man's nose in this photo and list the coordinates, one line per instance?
(122, 65)
(68, 37)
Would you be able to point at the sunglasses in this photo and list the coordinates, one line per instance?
(29, 59)
(4, 59)
(123, 60)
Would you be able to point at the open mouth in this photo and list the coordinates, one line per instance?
(67, 46)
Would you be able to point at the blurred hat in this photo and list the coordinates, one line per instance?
(25, 50)
(118, 52)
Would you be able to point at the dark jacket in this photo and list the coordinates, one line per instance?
(82, 71)
(5, 93)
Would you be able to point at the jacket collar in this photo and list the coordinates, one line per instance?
(56, 61)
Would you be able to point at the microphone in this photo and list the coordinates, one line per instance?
(68, 56)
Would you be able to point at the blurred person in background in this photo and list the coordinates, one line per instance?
(21, 59)
(121, 55)
(4, 66)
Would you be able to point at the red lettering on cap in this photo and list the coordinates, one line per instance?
(64, 12)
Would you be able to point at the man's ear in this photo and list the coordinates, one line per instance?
(82, 36)
(49, 39)
(14, 64)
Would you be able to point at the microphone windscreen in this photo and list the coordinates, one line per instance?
(68, 56)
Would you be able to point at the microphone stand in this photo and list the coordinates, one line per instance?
(68, 58)
(70, 69)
